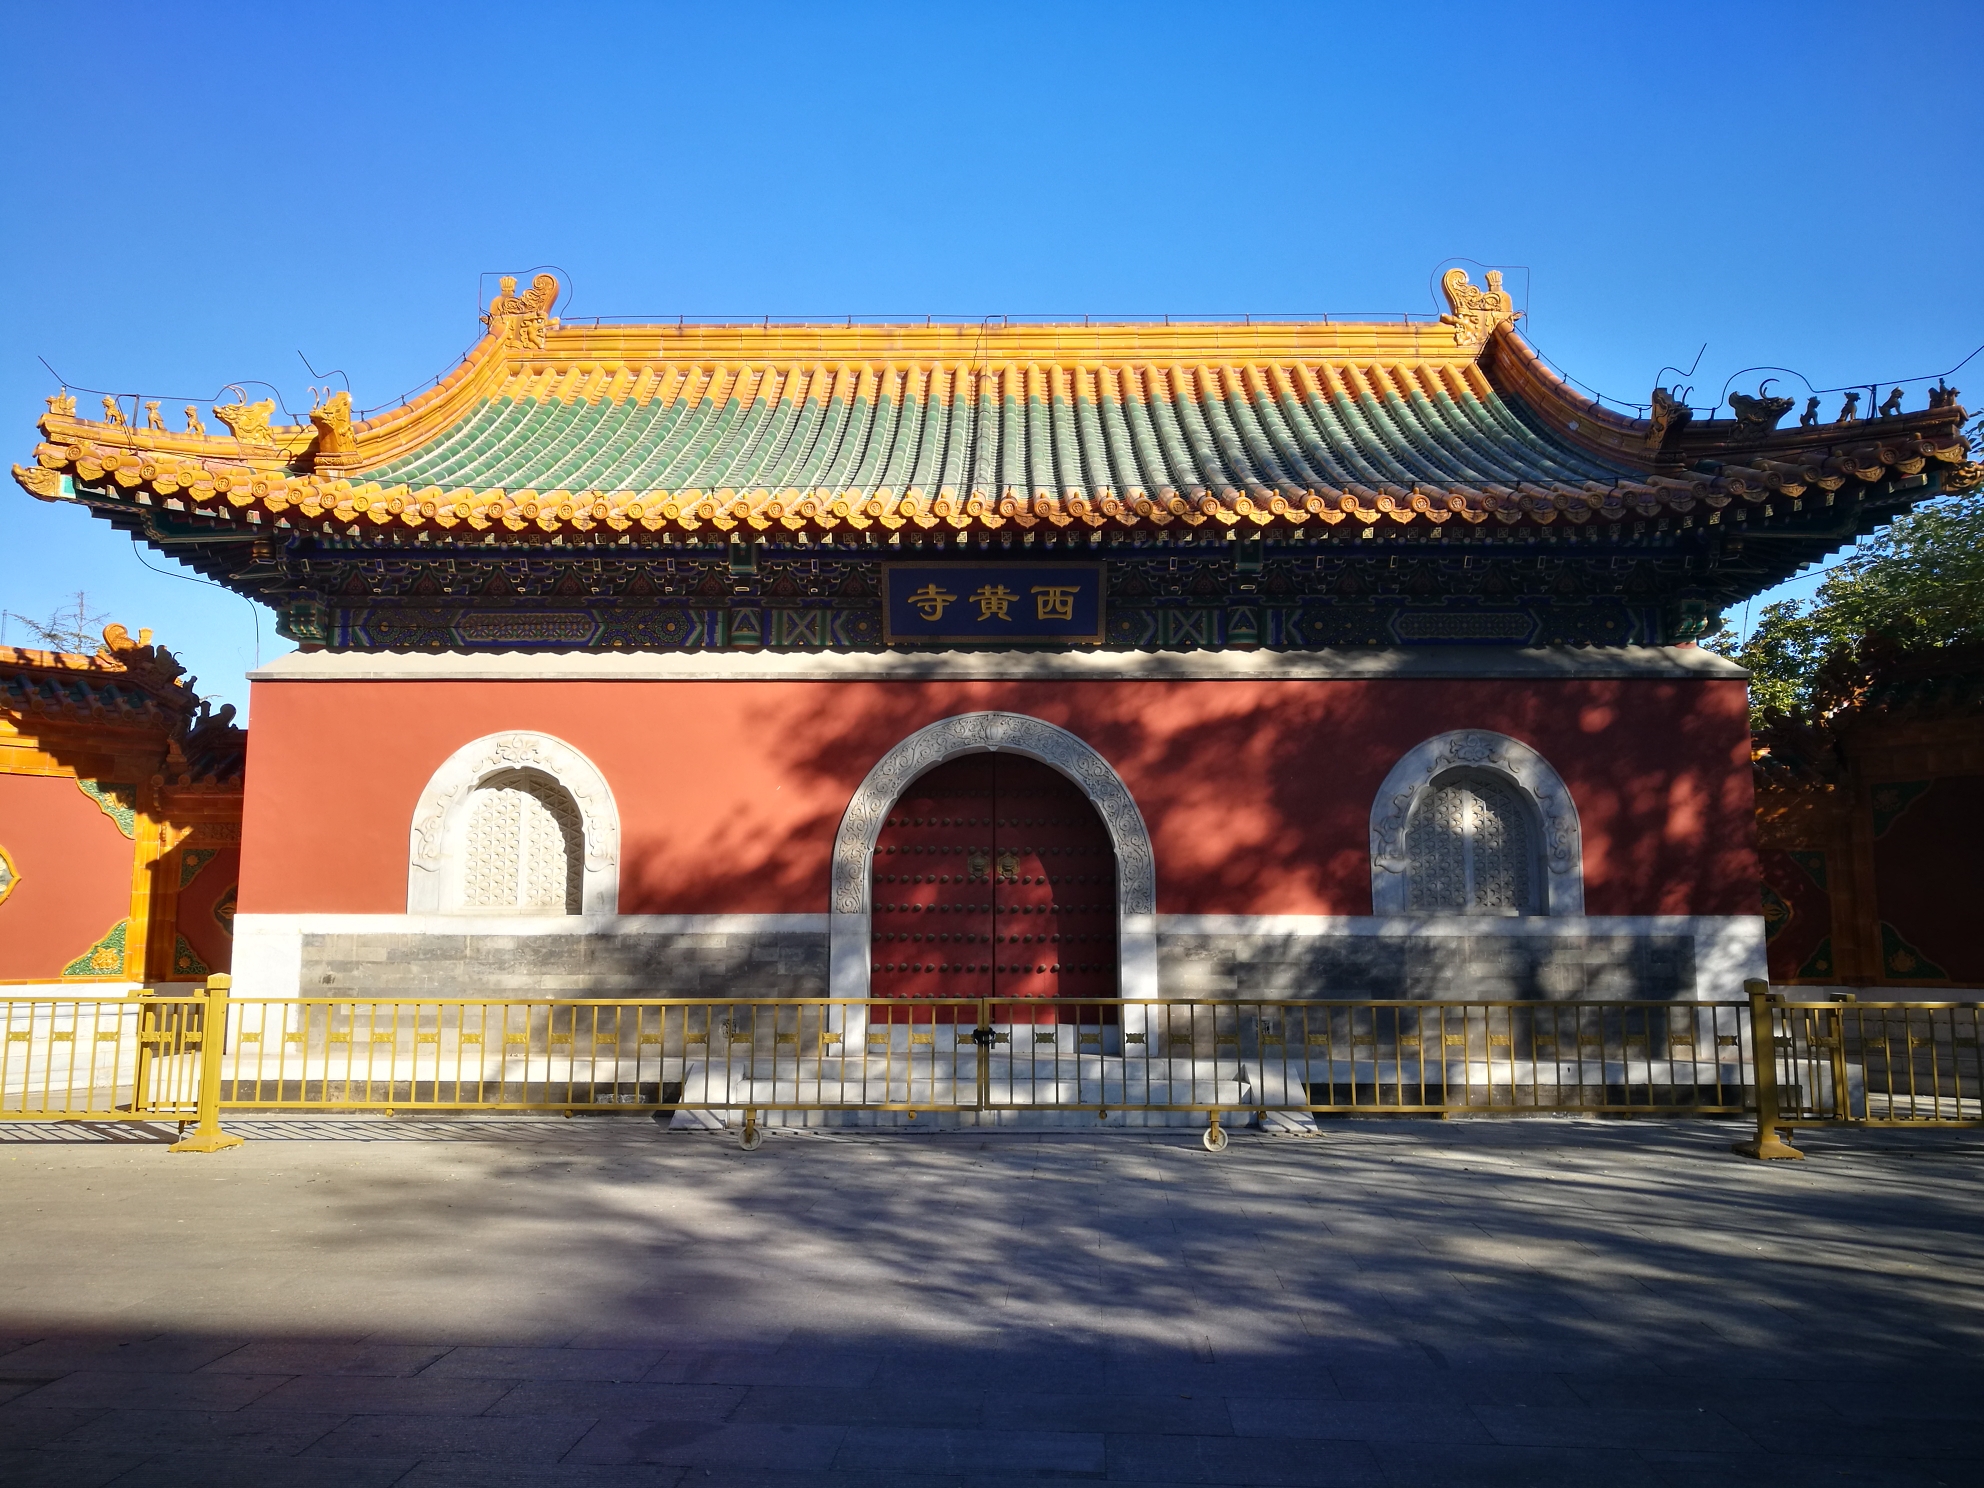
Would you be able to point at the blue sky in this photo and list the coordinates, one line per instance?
(195, 194)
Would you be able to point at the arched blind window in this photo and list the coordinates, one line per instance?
(524, 845)
(1470, 849)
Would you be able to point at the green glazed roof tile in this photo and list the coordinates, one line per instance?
(1183, 428)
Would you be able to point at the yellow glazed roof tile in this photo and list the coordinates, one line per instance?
(644, 429)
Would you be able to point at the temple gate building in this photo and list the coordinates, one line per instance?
(1303, 658)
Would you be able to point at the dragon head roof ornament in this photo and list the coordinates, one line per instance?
(1758, 416)
(248, 422)
(1669, 414)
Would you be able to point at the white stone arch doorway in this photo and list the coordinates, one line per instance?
(971, 733)
(437, 856)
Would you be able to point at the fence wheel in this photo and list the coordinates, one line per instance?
(754, 1135)
(1215, 1137)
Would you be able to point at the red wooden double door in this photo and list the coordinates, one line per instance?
(994, 877)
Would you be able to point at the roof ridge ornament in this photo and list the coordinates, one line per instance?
(1669, 415)
(40, 481)
(522, 320)
(332, 418)
(247, 422)
(1474, 313)
(152, 667)
(1758, 416)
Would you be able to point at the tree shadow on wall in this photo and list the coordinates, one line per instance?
(1257, 796)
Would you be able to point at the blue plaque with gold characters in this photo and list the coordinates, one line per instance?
(1040, 604)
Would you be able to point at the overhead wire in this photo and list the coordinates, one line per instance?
(254, 606)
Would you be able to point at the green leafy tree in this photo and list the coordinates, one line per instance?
(1917, 584)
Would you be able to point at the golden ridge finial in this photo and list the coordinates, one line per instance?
(1474, 313)
(522, 320)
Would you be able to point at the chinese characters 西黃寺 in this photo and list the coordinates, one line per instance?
(1054, 601)
(992, 600)
(929, 601)
(995, 601)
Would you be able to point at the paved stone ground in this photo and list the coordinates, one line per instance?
(599, 1302)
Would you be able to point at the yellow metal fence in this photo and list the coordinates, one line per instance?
(77, 1058)
(1880, 1063)
(833, 1054)
(151, 1057)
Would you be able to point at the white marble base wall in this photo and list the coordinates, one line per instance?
(530, 955)
(109, 987)
(1459, 957)
(1682, 957)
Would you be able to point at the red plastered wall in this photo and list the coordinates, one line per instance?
(1928, 864)
(75, 875)
(1257, 794)
(1798, 914)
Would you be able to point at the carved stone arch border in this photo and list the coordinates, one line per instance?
(1492, 754)
(972, 733)
(434, 861)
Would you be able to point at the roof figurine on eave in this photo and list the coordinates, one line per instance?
(550, 430)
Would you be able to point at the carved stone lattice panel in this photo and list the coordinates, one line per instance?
(523, 846)
(1468, 850)
(1504, 779)
(569, 804)
(494, 846)
(1498, 849)
(1436, 852)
